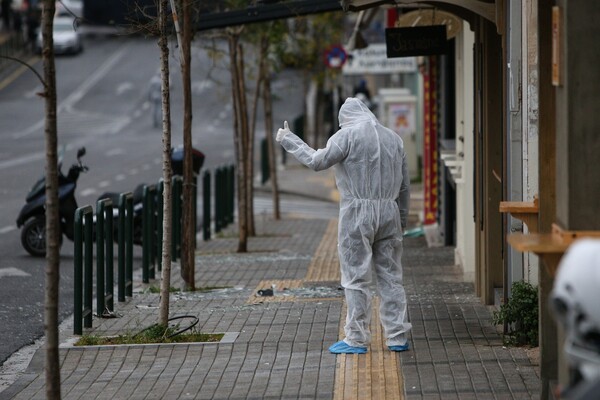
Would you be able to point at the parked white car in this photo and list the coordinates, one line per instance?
(66, 38)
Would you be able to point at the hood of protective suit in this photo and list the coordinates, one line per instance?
(354, 111)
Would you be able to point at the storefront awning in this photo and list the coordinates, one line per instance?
(265, 12)
(490, 11)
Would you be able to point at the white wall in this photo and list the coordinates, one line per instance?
(465, 225)
(530, 101)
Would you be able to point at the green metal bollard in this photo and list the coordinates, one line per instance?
(110, 258)
(159, 221)
(218, 200)
(100, 258)
(264, 161)
(83, 269)
(104, 265)
(195, 193)
(148, 243)
(125, 246)
(231, 191)
(206, 205)
(176, 221)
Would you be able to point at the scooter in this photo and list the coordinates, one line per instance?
(138, 192)
(32, 218)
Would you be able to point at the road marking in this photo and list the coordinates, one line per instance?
(114, 152)
(11, 78)
(12, 271)
(134, 171)
(78, 93)
(120, 177)
(22, 160)
(104, 184)
(7, 229)
(123, 87)
(88, 192)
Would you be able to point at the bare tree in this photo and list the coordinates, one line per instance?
(267, 38)
(240, 123)
(165, 284)
(188, 242)
(263, 90)
(268, 109)
(52, 213)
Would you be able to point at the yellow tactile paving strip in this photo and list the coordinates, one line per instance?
(325, 265)
(375, 375)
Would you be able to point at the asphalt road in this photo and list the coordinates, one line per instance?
(103, 104)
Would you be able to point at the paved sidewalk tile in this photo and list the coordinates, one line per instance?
(278, 344)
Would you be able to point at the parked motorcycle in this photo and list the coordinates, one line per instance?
(138, 192)
(32, 218)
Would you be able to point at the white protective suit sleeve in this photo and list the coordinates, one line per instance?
(317, 160)
(403, 199)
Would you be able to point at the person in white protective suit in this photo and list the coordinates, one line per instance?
(372, 178)
(575, 302)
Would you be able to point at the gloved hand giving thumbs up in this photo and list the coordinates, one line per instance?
(282, 132)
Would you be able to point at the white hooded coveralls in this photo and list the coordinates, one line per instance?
(372, 178)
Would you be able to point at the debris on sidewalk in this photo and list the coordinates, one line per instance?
(265, 292)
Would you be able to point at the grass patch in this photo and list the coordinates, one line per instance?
(151, 335)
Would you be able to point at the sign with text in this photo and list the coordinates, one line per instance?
(416, 41)
(373, 60)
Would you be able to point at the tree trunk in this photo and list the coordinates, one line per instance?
(165, 284)
(188, 244)
(251, 136)
(248, 140)
(268, 107)
(52, 214)
(240, 148)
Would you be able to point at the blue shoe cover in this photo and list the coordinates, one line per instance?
(403, 347)
(342, 347)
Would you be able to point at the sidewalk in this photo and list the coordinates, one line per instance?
(276, 347)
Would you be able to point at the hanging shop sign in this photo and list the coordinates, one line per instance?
(416, 41)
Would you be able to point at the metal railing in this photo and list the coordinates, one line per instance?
(102, 232)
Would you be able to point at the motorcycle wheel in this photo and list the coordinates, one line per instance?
(33, 236)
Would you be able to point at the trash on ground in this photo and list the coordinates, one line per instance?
(265, 292)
